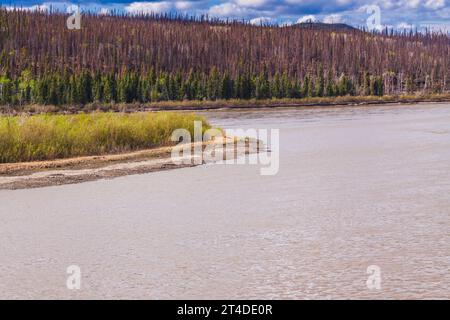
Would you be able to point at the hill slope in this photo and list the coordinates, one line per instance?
(326, 26)
(149, 58)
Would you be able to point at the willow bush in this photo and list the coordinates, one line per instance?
(48, 137)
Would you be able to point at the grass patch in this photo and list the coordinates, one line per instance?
(49, 137)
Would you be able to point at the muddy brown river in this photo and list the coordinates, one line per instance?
(356, 187)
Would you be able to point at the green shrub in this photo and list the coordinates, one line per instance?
(47, 137)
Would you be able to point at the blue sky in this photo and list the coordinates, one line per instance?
(400, 14)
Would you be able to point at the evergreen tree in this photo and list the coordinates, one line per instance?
(25, 83)
(307, 87)
(276, 89)
(286, 86)
(320, 82)
(366, 91)
(109, 88)
(97, 87)
(53, 91)
(85, 88)
(227, 87)
(5, 90)
(214, 85)
(329, 92)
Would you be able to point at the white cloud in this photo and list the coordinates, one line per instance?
(159, 7)
(412, 3)
(149, 7)
(251, 3)
(444, 13)
(308, 18)
(261, 21)
(183, 5)
(394, 12)
(295, 1)
(227, 9)
(42, 7)
(333, 18)
(434, 4)
(387, 4)
(400, 4)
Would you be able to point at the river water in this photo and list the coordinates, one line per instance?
(356, 187)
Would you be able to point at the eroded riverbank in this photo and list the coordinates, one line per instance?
(82, 169)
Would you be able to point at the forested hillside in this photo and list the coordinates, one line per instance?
(156, 58)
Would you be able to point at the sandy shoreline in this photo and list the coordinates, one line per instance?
(192, 106)
(39, 174)
(276, 105)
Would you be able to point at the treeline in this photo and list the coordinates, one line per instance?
(130, 87)
(148, 58)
